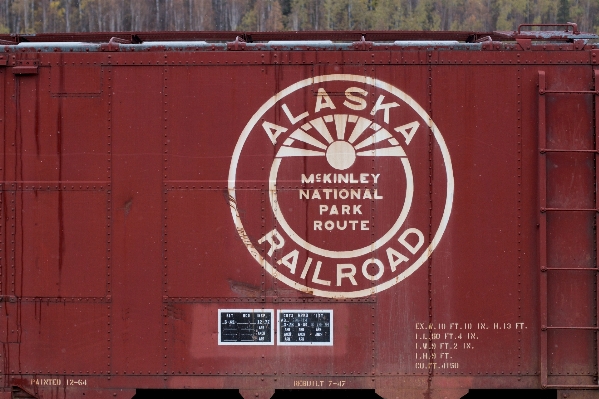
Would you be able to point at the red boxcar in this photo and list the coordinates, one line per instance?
(409, 212)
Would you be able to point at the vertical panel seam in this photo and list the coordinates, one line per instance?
(165, 228)
(430, 216)
(519, 215)
(109, 218)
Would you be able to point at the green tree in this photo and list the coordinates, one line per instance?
(387, 14)
(563, 11)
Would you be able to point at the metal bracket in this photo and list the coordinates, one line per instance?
(525, 44)
(20, 391)
(491, 45)
(362, 44)
(114, 44)
(10, 331)
(567, 25)
(238, 44)
(26, 67)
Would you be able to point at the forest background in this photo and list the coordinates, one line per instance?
(37, 16)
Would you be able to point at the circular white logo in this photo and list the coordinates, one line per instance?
(341, 186)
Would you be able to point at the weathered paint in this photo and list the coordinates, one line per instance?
(433, 195)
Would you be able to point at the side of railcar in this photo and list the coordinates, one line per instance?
(411, 217)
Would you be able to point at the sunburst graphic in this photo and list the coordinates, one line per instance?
(341, 152)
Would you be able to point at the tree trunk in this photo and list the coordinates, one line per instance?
(67, 15)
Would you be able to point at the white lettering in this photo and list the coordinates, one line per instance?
(380, 106)
(376, 262)
(395, 258)
(270, 237)
(408, 134)
(358, 102)
(315, 278)
(292, 118)
(333, 193)
(309, 179)
(290, 260)
(273, 131)
(350, 275)
(330, 225)
(323, 100)
(351, 178)
(306, 268)
(412, 248)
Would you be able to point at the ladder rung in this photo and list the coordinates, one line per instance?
(546, 269)
(542, 91)
(571, 386)
(544, 150)
(569, 328)
(543, 210)
(543, 228)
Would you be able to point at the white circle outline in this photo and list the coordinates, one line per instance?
(359, 79)
(272, 186)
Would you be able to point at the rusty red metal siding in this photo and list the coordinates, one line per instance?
(150, 188)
